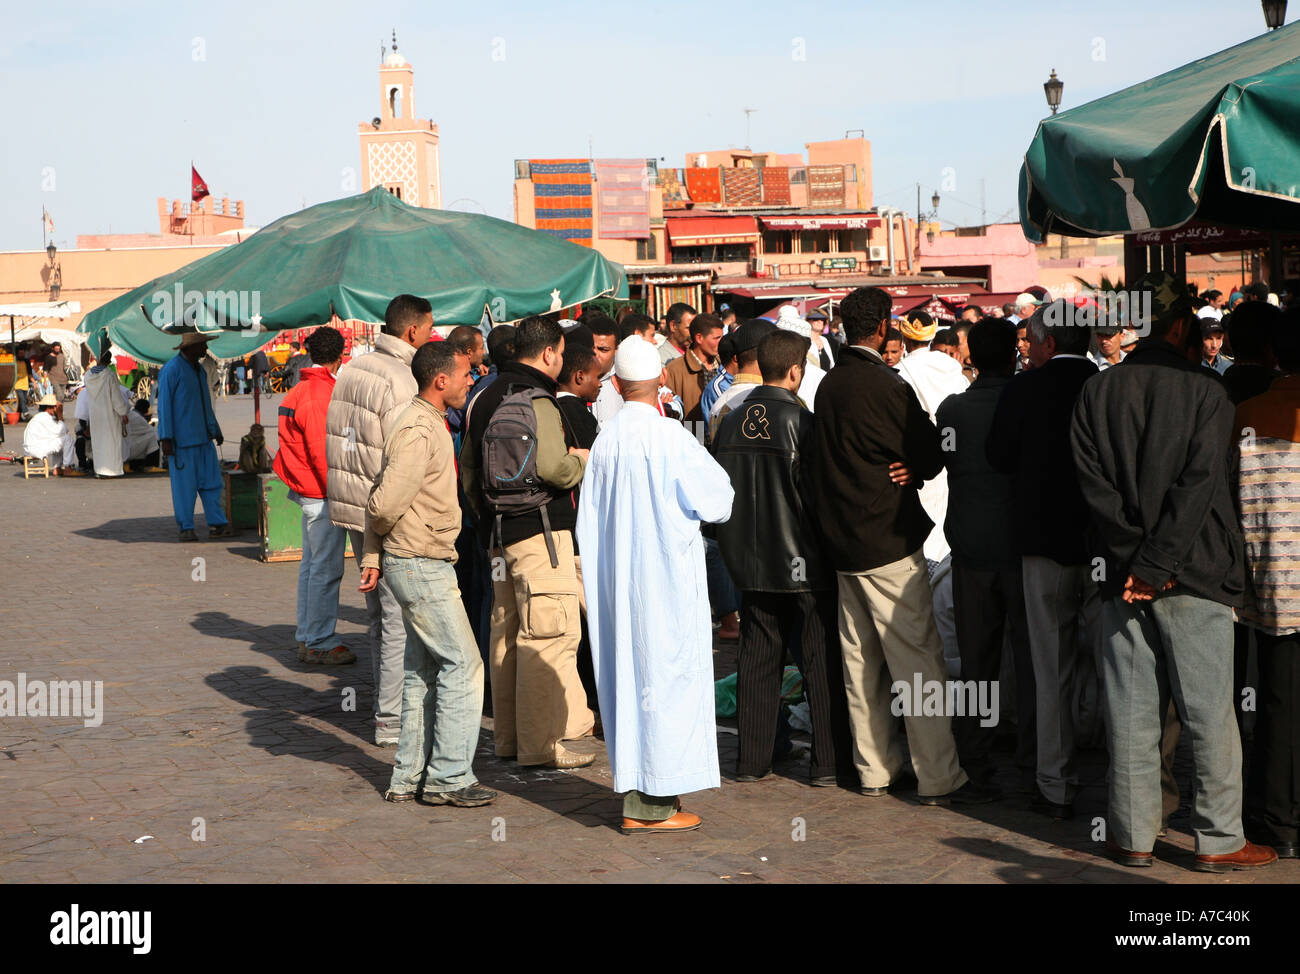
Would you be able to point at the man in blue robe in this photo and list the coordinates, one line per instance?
(187, 427)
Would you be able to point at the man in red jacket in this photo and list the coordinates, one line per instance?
(300, 463)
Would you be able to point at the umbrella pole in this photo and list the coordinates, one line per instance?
(257, 401)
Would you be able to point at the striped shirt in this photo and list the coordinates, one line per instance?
(1269, 426)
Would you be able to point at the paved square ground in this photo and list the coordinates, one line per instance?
(242, 765)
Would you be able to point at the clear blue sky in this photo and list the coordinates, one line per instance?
(110, 100)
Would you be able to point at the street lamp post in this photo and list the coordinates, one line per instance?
(1274, 13)
(926, 217)
(1052, 86)
(56, 275)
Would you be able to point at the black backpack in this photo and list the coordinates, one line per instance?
(508, 451)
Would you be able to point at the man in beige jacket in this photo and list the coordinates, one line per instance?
(369, 395)
(412, 520)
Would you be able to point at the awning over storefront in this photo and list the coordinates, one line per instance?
(712, 231)
(782, 294)
(849, 222)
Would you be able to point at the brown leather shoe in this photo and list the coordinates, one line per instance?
(730, 630)
(681, 822)
(1127, 857)
(1249, 856)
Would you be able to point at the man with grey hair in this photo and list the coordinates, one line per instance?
(1029, 440)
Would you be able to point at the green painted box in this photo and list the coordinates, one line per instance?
(279, 521)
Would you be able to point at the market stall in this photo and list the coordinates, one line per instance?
(1214, 143)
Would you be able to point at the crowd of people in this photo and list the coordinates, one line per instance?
(1063, 505)
(112, 432)
(897, 507)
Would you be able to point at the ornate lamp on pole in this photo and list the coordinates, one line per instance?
(1274, 13)
(1052, 86)
(56, 274)
(930, 217)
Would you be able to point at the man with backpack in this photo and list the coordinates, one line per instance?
(519, 467)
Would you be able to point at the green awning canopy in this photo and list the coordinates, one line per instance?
(1217, 139)
(350, 257)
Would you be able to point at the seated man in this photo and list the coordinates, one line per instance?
(47, 436)
(141, 440)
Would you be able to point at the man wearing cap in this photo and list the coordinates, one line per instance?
(648, 485)
(744, 340)
(187, 427)
(47, 436)
(107, 403)
(1212, 356)
(1174, 569)
(1110, 350)
(1025, 304)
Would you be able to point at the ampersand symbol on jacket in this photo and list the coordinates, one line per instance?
(755, 425)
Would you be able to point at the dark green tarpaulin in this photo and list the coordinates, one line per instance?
(1217, 139)
(351, 256)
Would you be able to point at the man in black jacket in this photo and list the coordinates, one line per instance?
(988, 594)
(1030, 441)
(871, 440)
(773, 554)
(1154, 444)
(537, 698)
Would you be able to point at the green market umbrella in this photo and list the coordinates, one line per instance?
(1217, 139)
(350, 257)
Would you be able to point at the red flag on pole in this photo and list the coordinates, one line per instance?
(198, 188)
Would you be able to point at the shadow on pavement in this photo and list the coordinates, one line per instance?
(136, 530)
(1028, 867)
(285, 718)
(277, 641)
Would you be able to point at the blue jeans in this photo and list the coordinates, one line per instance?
(723, 598)
(319, 574)
(1179, 646)
(442, 696)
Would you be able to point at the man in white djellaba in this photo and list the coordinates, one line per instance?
(108, 405)
(648, 485)
(47, 436)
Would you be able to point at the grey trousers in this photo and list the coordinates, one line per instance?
(388, 651)
(1177, 646)
(1061, 610)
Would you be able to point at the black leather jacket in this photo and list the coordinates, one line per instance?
(769, 543)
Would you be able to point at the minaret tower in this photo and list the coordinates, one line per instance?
(398, 150)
